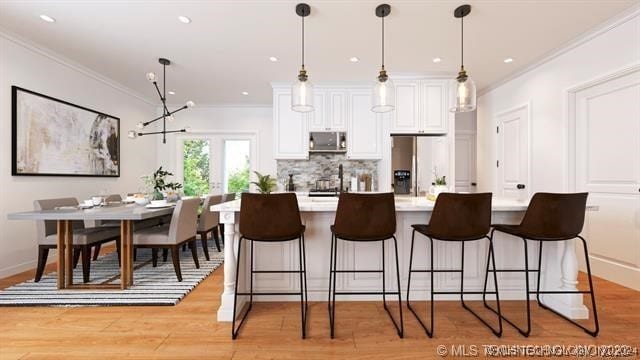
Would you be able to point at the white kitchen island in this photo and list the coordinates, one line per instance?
(560, 267)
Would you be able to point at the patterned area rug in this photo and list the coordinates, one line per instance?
(152, 286)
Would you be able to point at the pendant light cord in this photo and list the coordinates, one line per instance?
(382, 42)
(462, 41)
(302, 42)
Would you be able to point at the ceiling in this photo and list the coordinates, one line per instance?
(225, 50)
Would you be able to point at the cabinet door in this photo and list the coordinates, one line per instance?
(290, 129)
(406, 117)
(365, 128)
(317, 117)
(434, 112)
(337, 110)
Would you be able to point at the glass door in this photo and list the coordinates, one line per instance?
(216, 163)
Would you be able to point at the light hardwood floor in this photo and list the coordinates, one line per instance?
(363, 331)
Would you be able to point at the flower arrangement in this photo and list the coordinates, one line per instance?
(439, 180)
(157, 183)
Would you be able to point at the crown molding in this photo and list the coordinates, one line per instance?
(612, 23)
(222, 106)
(62, 60)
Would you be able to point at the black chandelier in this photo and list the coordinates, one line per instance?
(166, 114)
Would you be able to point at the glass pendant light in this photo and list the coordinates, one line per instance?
(302, 90)
(465, 87)
(383, 98)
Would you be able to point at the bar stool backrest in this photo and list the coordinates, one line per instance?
(228, 197)
(208, 218)
(461, 216)
(268, 217)
(365, 217)
(184, 220)
(554, 216)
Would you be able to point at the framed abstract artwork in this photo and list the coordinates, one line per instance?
(51, 137)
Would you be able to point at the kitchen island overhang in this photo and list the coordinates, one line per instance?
(559, 260)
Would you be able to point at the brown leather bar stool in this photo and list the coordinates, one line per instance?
(550, 217)
(459, 218)
(271, 218)
(364, 218)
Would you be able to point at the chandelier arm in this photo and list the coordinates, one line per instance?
(161, 132)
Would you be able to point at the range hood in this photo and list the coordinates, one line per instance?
(327, 142)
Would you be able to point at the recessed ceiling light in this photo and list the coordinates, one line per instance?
(436, 60)
(171, 92)
(47, 18)
(245, 93)
(273, 59)
(183, 19)
(508, 60)
(354, 59)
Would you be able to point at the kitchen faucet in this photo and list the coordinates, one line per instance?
(340, 176)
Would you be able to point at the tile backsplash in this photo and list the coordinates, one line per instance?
(306, 172)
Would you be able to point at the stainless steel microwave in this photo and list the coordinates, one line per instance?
(327, 142)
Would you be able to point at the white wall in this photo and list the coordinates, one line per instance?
(223, 119)
(609, 48)
(23, 65)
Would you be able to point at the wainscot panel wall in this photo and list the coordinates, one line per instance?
(29, 66)
(607, 53)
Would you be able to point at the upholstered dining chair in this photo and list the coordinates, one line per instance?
(208, 223)
(83, 238)
(181, 230)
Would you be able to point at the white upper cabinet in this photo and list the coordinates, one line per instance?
(435, 105)
(337, 110)
(406, 117)
(421, 107)
(290, 128)
(364, 136)
(318, 117)
(330, 111)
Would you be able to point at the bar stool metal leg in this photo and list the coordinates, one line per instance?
(411, 271)
(234, 330)
(591, 293)
(497, 332)
(399, 325)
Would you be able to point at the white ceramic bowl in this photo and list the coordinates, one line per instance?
(141, 201)
(158, 202)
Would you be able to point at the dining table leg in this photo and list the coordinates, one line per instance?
(126, 250)
(65, 254)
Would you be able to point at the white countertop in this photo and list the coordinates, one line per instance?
(403, 203)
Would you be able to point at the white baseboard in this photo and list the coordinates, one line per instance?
(615, 272)
(25, 266)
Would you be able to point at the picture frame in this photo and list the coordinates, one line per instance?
(53, 137)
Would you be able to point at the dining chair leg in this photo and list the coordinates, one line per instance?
(165, 254)
(203, 240)
(216, 238)
(76, 257)
(96, 251)
(154, 257)
(43, 254)
(86, 262)
(175, 257)
(135, 253)
(194, 252)
(119, 250)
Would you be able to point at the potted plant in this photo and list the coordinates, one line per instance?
(265, 183)
(157, 184)
(439, 184)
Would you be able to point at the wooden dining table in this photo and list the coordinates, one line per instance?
(127, 214)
